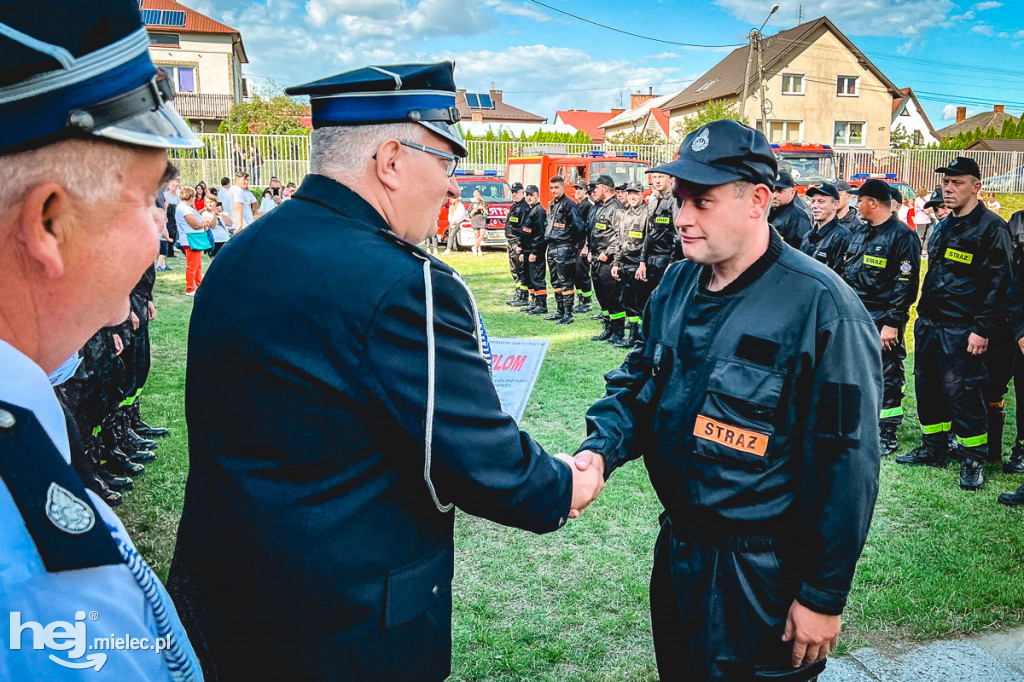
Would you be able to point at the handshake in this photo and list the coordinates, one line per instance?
(587, 479)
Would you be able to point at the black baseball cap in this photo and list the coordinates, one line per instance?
(591, 187)
(842, 185)
(516, 186)
(621, 187)
(824, 189)
(605, 180)
(532, 189)
(895, 194)
(722, 152)
(961, 165)
(935, 200)
(876, 189)
(634, 187)
(784, 180)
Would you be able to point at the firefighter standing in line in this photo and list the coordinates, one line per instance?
(883, 267)
(828, 239)
(1015, 306)
(787, 215)
(960, 308)
(584, 287)
(847, 214)
(604, 234)
(563, 236)
(661, 243)
(632, 235)
(534, 253)
(513, 233)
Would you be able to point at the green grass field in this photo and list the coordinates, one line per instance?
(572, 605)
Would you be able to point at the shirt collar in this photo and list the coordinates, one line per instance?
(24, 383)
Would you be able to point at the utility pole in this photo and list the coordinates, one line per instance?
(746, 76)
(760, 78)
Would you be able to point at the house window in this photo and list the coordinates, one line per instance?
(165, 39)
(707, 85)
(918, 138)
(785, 131)
(792, 84)
(184, 77)
(849, 133)
(847, 86)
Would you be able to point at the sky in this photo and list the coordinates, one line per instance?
(951, 52)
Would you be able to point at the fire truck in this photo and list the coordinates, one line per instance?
(538, 170)
(809, 164)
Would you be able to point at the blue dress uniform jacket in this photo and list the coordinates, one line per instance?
(312, 544)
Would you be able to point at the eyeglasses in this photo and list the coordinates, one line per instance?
(453, 161)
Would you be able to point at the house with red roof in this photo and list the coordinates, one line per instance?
(908, 114)
(587, 121)
(645, 115)
(203, 56)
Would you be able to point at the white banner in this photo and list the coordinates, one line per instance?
(515, 365)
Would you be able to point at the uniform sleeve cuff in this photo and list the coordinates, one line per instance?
(827, 602)
(601, 446)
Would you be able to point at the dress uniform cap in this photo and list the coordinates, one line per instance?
(935, 200)
(532, 189)
(634, 187)
(417, 93)
(82, 69)
(605, 180)
(784, 180)
(516, 186)
(876, 189)
(961, 165)
(621, 187)
(722, 152)
(824, 189)
(591, 186)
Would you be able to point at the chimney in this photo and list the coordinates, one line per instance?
(999, 109)
(496, 96)
(961, 114)
(636, 99)
(616, 112)
(477, 116)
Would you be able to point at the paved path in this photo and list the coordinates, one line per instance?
(987, 658)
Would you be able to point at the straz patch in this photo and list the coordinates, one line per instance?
(559, 224)
(875, 261)
(527, 230)
(906, 268)
(959, 256)
(513, 219)
(601, 226)
(750, 442)
(662, 220)
(636, 235)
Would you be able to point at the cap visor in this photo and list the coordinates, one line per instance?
(450, 133)
(162, 128)
(698, 173)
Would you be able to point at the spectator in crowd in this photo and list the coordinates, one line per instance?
(442, 227)
(191, 223)
(289, 190)
(241, 160)
(225, 184)
(920, 214)
(165, 237)
(456, 214)
(990, 201)
(479, 213)
(255, 164)
(222, 221)
(268, 203)
(239, 202)
(200, 196)
(903, 211)
(171, 204)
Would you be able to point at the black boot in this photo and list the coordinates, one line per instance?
(130, 439)
(605, 333)
(926, 455)
(95, 483)
(531, 305)
(559, 310)
(599, 315)
(522, 298)
(515, 297)
(1015, 465)
(567, 317)
(631, 340)
(119, 464)
(1014, 499)
(888, 442)
(142, 428)
(583, 306)
(115, 482)
(996, 421)
(541, 307)
(972, 475)
(618, 327)
(115, 439)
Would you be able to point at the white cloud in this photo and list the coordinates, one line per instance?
(516, 10)
(983, 29)
(949, 112)
(982, 6)
(867, 17)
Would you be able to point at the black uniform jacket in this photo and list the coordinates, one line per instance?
(604, 227)
(1015, 295)
(564, 225)
(851, 221)
(827, 244)
(516, 218)
(533, 229)
(791, 221)
(311, 545)
(883, 266)
(756, 411)
(661, 238)
(632, 236)
(968, 272)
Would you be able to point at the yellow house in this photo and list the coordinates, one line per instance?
(204, 58)
(819, 89)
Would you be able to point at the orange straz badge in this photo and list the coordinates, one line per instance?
(750, 442)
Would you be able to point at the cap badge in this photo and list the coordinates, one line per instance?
(700, 143)
(67, 512)
(954, 162)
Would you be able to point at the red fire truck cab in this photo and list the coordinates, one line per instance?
(538, 170)
(809, 164)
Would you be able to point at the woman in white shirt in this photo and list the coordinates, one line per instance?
(190, 222)
(222, 221)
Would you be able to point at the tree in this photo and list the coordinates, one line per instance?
(636, 137)
(267, 114)
(714, 110)
(901, 139)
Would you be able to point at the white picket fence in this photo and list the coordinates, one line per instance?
(287, 158)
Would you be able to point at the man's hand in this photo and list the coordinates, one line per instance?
(615, 272)
(118, 344)
(590, 258)
(135, 321)
(520, 258)
(152, 310)
(976, 345)
(587, 479)
(585, 253)
(533, 258)
(813, 634)
(1020, 344)
(603, 257)
(519, 249)
(641, 272)
(889, 337)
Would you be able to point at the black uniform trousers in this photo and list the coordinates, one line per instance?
(607, 289)
(950, 385)
(894, 374)
(562, 263)
(583, 283)
(1004, 362)
(634, 293)
(515, 266)
(538, 270)
(656, 267)
(719, 608)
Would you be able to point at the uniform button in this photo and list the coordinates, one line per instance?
(434, 591)
(561, 522)
(6, 419)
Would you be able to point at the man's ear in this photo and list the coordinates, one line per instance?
(388, 164)
(760, 200)
(46, 223)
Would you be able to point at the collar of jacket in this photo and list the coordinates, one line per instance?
(972, 218)
(751, 274)
(331, 194)
(820, 233)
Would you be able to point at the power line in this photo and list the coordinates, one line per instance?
(624, 32)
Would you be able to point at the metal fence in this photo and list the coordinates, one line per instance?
(287, 158)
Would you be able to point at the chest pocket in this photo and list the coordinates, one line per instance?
(600, 226)
(736, 422)
(959, 255)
